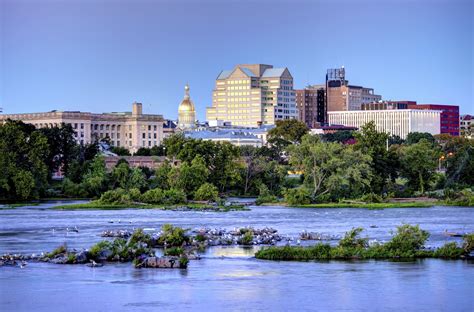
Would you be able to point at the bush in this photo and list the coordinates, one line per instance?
(207, 191)
(154, 196)
(468, 244)
(59, 250)
(117, 196)
(174, 251)
(71, 189)
(352, 239)
(265, 196)
(134, 194)
(139, 237)
(247, 238)
(408, 238)
(448, 251)
(298, 196)
(172, 236)
(174, 196)
(372, 198)
(200, 238)
(97, 248)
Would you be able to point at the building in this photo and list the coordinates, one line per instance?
(127, 129)
(311, 105)
(385, 105)
(466, 126)
(237, 137)
(186, 112)
(251, 95)
(396, 122)
(342, 96)
(449, 116)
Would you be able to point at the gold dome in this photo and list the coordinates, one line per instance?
(186, 112)
(186, 104)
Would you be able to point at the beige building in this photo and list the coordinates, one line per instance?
(396, 122)
(251, 95)
(186, 112)
(466, 126)
(129, 129)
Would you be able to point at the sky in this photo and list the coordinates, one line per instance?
(100, 56)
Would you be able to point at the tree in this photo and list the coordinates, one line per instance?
(188, 177)
(143, 151)
(331, 169)
(120, 151)
(285, 133)
(419, 163)
(23, 151)
(384, 163)
(343, 136)
(254, 165)
(207, 191)
(415, 137)
(62, 147)
(96, 178)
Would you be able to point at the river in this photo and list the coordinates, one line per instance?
(230, 279)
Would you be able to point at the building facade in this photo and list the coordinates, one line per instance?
(466, 126)
(131, 130)
(342, 96)
(311, 105)
(186, 112)
(449, 121)
(396, 122)
(251, 95)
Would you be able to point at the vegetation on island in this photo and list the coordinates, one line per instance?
(343, 169)
(407, 242)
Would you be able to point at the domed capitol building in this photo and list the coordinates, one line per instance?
(186, 112)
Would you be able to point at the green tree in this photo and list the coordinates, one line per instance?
(384, 164)
(415, 137)
(120, 151)
(419, 163)
(96, 180)
(62, 147)
(188, 177)
(331, 168)
(207, 191)
(285, 133)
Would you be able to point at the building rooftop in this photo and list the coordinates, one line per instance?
(273, 72)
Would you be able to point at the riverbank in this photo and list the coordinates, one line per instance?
(178, 207)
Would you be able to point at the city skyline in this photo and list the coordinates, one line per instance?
(91, 56)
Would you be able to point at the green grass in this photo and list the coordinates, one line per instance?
(371, 205)
(191, 206)
(17, 205)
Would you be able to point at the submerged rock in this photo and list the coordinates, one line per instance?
(165, 262)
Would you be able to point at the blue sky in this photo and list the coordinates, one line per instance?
(100, 56)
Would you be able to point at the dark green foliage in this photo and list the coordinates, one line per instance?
(154, 196)
(120, 151)
(183, 262)
(95, 250)
(117, 196)
(172, 236)
(408, 238)
(207, 191)
(416, 137)
(339, 136)
(59, 250)
(174, 251)
(468, 244)
(352, 240)
(372, 198)
(247, 238)
(449, 251)
(200, 238)
(298, 196)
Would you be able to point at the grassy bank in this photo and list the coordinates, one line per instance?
(192, 206)
(407, 243)
(371, 205)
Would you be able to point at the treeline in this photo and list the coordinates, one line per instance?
(367, 165)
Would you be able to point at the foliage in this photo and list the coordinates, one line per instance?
(247, 238)
(287, 132)
(117, 196)
(419, 162)
(160, 178)
(468, 244)
(174, 251)
(416, 137)
(207, 191)
(343, 136)
(59, 250)
(265, 196)
(331, 168)
(62, 147)
(189, 177)
(352, 239)
(174, 196)
(95, 250)
(297, 196)
(407, 239)
(153, 196)
(172, 236)
(449, 251)
(372, 198)
(120, 151)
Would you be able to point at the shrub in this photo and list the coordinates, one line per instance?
(468, 244)
(183, 262)
(174, 196)
(207, 191)
(154, 196)
(408, 238)
(59, 250)
(247, 238)
(174, 251)
(117, 196)
(71, 258)
(297, 196)
(265, 196)
(372, 198)
(449, 251)
(200, 238)
(139, 237)
(97, 248)
(352, 240)
(172, 236)
(134, 194)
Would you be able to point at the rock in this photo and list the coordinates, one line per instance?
(165, 262)
(104, 254)
(60, 259)
(82, 256)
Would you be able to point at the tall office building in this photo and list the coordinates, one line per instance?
(341, 96)
(311, 105)
(252, 95)
(449, 116)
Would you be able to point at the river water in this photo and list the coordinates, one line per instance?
(229, 278)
